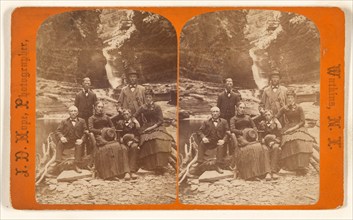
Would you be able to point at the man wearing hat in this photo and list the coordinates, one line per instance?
(274, 96)
(132, 96)
(213, 135)
(70, 133)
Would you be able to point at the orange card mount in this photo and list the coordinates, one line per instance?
(183, 54)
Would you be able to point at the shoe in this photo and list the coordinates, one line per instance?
(78, 170)
(127, 177)
(133, 176)
(268, 177)
(219, 170)
(275, 176)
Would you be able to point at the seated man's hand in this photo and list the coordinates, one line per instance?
(205, 140)
(220, 142)
(63, 139)
(79, 142)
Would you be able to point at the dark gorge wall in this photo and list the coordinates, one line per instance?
(68, 48)
(296, 51)
(213, 47)
(76, 44)
(140, 40)
(236, 43)
(287, 42)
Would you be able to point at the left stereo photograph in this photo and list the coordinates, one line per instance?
(106, 108)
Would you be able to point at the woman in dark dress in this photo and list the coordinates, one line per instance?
(252, 158)
(155, 142)
(296, 143)
(110, 158)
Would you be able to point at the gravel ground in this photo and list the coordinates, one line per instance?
(289, 189)
(147, 189)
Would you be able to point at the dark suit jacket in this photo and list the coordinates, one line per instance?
(85, 103)
(227, 104)
(213, 133)
(72, 133)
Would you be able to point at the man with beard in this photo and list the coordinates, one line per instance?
(132, 96)
(227, 102)
(274, 96)
(84, 101)
(213, 135)
(70, 133)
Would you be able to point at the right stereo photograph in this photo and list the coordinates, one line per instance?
(249, 109)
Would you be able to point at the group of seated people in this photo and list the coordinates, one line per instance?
(122, 143)
(261, 146)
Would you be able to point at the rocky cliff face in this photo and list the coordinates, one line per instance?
(247, 45)
(103, 44)
(296, 52)
(140, 40)
(288, 42)
(213, 47)
(68, 48)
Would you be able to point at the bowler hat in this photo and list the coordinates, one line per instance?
(275, 72)
(131, 71)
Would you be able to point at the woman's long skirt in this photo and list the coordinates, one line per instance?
(111, 160)
(253, 161)
(155, 154)
(297, 149)
(155, 150)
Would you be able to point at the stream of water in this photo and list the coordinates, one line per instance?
(113, 80)
(259, 78)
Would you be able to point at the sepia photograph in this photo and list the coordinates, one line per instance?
(106, 108)
(249, 109)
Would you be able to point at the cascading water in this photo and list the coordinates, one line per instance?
(114, 80)
(259, 78)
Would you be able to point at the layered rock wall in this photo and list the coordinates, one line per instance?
(104, 44)
(288, 42)
(247, 45)
(213, 47)
(69, 49)
(142, 41)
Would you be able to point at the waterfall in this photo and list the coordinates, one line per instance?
(259, 78)
(114, 80)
